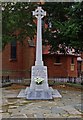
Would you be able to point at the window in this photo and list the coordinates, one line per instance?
(13, 50)
(72, 60)
(58, 59)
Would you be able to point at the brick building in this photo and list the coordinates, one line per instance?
(80, 65)
(60, 65)
(17, 60)
(82, 62)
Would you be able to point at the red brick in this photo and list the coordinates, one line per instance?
(26, 58)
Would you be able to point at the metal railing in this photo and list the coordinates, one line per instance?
(5, 79)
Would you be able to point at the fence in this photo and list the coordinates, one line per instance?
(70, 80)
(6, 79)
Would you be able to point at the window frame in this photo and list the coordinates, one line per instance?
(13, 49)
(58, 60)
(72, 61)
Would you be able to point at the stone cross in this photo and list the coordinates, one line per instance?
(39, 71)
(39, 13)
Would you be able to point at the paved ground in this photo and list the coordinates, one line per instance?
(69, 106)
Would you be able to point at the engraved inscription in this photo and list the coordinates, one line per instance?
(38, 94)
(31, 94)
(39, 72)
(47, 94)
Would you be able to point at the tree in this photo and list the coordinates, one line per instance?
(17, 17)
(65, 23)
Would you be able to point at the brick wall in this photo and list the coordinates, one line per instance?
(72, 68)
(62, 69)
(82, 62)
(21, 67)
(11, 67)
(28, 59)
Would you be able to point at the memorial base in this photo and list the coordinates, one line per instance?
(41, 91)
(39, 94)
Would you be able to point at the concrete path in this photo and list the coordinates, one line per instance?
(69, 106)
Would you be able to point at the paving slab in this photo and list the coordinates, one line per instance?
(79, 107)
(4, 101)
(75, 116)
(35, 110)
(57, 110)
(18, 115)
(5, 115)
(12, 107)
(13, 111)
(71, 110)
(0, 116)
(39, 115)
(66, 115)
(52, 115)
(30, 115)
(1, 111)
(5, 108)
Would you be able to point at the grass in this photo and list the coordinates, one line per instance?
(65, 85)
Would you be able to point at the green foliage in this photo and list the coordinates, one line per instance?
(66, 19)
(67, 22)
(17, 16)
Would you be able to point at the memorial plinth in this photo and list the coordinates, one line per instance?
(39, 71)
(39, 91)
(39, 88)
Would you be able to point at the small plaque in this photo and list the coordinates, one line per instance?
(72, 67)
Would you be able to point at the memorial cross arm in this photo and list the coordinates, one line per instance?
(39, 13)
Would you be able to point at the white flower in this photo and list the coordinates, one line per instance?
(38, 80)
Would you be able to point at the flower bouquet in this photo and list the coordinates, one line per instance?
(39, 81)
